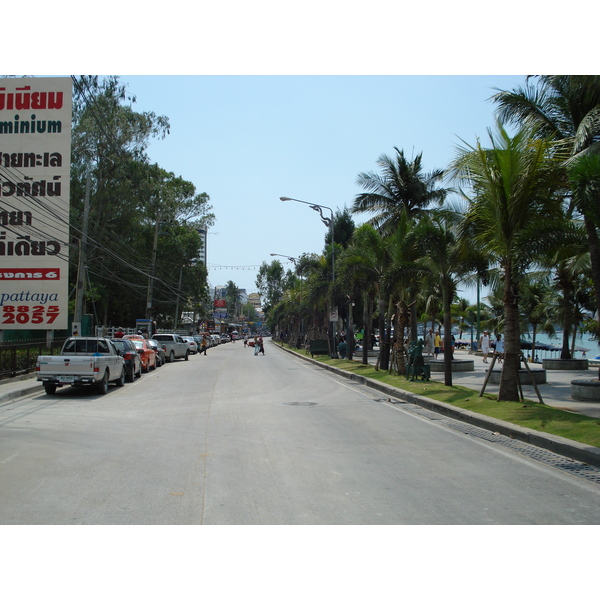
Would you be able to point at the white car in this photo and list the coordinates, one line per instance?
(192, 343)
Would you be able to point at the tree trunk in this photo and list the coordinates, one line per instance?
(509, 389)
(413, 318)
(566, 353)
(385, 341)
(350, 331)
(402, 322)
(367, 329)
(446, 300)
(594, 245)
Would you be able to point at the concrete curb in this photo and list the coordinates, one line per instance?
(554, 443)
(18, 393)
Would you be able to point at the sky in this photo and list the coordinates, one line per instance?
(248, 140)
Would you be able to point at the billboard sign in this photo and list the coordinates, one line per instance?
(35, 160)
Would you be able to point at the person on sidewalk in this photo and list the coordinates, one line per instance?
(484, 345)
(429, 342)
(437, 343)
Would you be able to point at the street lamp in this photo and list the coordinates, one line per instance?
(328, 222)
(291, 258)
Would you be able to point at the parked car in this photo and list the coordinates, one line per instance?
(147, 354)
(192, 343)
(216, 339)
(83, 361)
(133, 361)
(161, 357)
(224, 338)
(198, 340)
(174, 345)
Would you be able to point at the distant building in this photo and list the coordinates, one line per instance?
(202, 254)
(254, 299)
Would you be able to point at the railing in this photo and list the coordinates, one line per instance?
(20, 358)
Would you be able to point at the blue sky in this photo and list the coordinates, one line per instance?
(270, 99)
(247, 140)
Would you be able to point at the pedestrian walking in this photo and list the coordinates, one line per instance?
(484, 345)
(203, 345)
(429, 342)
(261, 345)
(437, 344)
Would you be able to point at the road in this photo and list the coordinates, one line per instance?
(233, 438)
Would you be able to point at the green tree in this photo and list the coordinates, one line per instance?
(270, 283)
(446, 264)
(402, 188)
(511, 202)
(566, 107)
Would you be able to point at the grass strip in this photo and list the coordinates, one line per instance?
(539, 417)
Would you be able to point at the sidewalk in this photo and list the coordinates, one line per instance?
(556, 392)
(12, 389)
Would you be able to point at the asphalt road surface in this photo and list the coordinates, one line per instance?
(233, 438)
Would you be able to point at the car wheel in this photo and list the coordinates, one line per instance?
(172, 356)
(139, 373)
(187, 356)
(102, 385)
(121, 381)
(50, 388)
(130, 377)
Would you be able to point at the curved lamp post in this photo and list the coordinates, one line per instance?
(328, 222)
(290, 258)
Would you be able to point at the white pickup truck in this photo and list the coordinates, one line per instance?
(82, 361)
(174, 346)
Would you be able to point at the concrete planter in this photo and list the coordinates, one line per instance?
(587, 390)
(437, 366)
(565, 364)
(539, 376)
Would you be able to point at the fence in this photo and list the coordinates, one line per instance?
(19, 358)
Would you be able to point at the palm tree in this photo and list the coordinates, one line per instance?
(403, 188)
(567, 107)
(511, 200)
(363, 265)
(584, 177)
(233, 297)
(446, 263)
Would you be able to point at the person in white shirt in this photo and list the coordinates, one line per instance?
(484, 345)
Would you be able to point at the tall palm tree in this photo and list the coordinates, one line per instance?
(566, 107)
(446, 263)
(402, 188)
(363, 264)
(511, 200)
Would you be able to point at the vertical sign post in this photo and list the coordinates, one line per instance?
(35, 158)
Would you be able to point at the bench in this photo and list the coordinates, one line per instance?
(318, 347)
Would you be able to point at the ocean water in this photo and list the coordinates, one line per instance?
(582, 344)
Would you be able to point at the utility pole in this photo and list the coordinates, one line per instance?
(80, 288)
(152, 270)
(175, 321)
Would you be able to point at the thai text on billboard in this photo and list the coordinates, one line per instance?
(35, 158)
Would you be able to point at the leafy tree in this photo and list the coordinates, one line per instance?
(130, 202)
(270, 284)
(511, 202)
(402, 188)
(566, 107)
